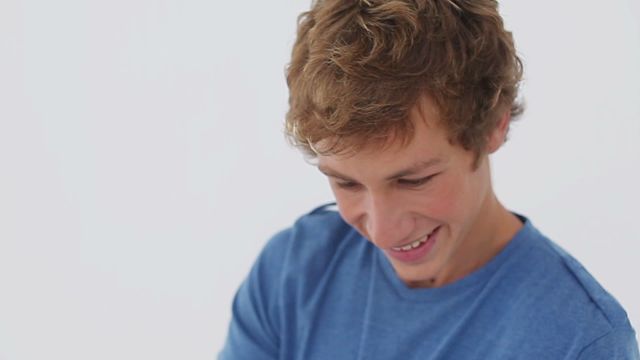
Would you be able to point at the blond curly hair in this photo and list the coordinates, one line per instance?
(359, 66)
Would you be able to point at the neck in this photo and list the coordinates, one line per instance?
(493, 228)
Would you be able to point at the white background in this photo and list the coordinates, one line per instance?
(143, 166)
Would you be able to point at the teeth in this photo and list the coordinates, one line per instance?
(413, 245)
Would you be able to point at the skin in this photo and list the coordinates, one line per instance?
(402, 192)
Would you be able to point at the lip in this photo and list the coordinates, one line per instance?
(417, 254)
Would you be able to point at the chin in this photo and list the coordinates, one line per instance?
(415, 278)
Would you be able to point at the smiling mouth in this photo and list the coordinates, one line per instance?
(415, 244)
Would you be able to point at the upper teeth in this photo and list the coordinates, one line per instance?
(412, 245)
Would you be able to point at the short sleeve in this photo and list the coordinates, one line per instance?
(618, 344)
(253, 331)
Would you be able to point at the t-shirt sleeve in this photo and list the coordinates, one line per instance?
(253, 331)
(618, 344)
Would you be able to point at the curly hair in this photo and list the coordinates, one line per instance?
(359, 66)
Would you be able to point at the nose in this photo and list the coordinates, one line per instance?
(386, 222)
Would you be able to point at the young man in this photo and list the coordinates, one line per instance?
(400, 103)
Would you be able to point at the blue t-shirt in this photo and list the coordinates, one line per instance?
(319, 290)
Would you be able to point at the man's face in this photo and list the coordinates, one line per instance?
(422, 204)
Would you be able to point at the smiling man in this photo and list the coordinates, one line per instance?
(424, 204)
(400, 103)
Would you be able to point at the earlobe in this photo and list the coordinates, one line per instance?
(499, 134)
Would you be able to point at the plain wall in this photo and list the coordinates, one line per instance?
(143, 165)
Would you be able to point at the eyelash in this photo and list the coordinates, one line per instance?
(416, 182)
(348, 185)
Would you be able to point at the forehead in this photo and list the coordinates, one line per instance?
(422, 125)
(428, 143)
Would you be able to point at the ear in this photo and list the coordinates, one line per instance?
(499, 134)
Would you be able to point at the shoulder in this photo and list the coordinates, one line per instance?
(570, 273)
(613, 335)
(592, 290)
(566, 297)
(314, 259)
(312, 242)
(287, 268)
(320, 228)
(323, 226)
(300, 255)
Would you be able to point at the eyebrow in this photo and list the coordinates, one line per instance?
(411, 170)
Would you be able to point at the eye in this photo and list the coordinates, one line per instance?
(347, 185)
(416, 182)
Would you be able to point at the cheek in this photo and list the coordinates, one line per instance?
(445, 202)
(348, 206)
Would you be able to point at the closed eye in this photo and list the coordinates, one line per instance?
(416, 182)
(348, 185)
